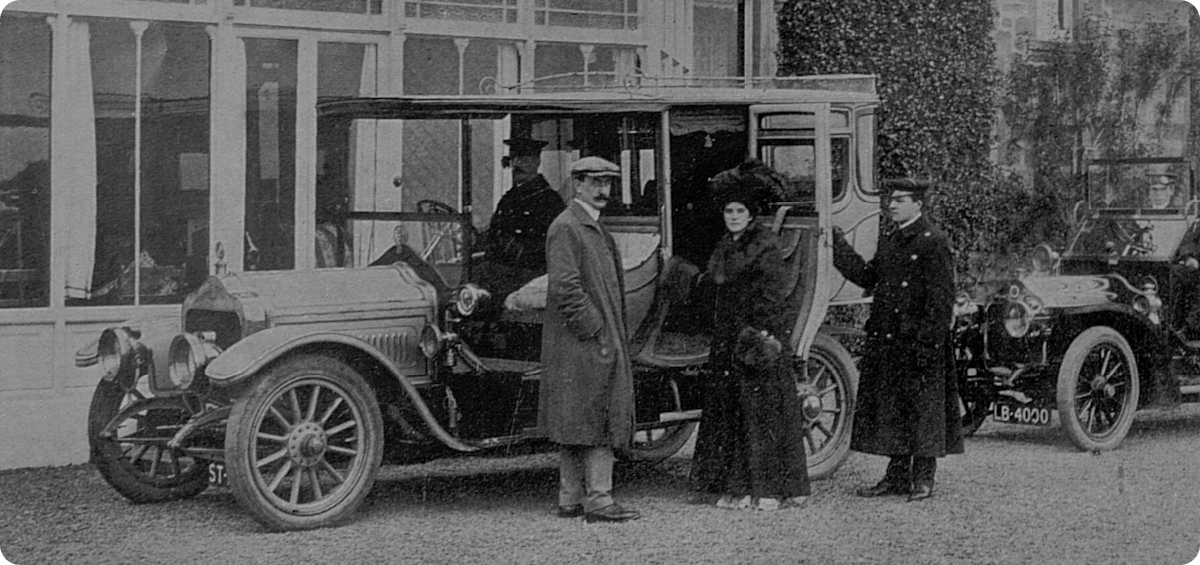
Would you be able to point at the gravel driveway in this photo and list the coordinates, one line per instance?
(1019, 495)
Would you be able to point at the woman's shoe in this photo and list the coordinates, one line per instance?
(795, 501)
(743, 503)
(726, 502)
(767, 504)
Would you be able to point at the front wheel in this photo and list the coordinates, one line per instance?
(826, 385)
(1097, 389)
(128, 431)
(304, 444)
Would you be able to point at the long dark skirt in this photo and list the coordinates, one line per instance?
(750, 441)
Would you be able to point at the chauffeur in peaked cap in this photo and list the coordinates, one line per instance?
(907, 399)
(514, 245)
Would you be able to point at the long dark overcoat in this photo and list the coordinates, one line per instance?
(586, 393)
(750, 440)
(907, 396)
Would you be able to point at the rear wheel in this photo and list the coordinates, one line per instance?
(826, 386)
(128, 430)
(1098, 389)
(304, 444)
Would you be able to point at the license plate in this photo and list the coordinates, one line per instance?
(216, 474)
(1020, 414)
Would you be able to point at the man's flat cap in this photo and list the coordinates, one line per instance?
(524, 146)
(906, 184)
(596, 167)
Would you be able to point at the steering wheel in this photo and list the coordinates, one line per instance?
(437, 232)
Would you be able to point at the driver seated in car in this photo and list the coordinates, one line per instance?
(1161, 192)
(514, 245)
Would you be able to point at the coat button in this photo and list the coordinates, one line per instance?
(904, 284)
(914, 257)
(888, 336)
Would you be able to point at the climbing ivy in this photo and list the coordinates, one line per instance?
(941, 96)
(935, 63)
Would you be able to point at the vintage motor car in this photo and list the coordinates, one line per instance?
(293, 387)
(1100, 330)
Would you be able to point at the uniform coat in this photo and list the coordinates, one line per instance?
(750, 439)
(586, 393)
(907, 395)
(516, 236)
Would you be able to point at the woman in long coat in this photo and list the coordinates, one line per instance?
(750, 446)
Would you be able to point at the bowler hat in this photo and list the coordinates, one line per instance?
(906, 184)
(524, 146)
(596, 167)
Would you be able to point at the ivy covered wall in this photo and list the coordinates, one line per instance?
(1000, 102)
(937, 82)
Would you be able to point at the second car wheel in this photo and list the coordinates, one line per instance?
(826, 386)
(303, 445)
(1098, 389)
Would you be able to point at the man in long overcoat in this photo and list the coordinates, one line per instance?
(907, 398)
(586, 398)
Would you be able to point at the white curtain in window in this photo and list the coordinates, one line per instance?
(371, 184)
(74, 148)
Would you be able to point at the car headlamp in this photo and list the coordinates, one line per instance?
(1017, 319)
(467, 299)
(432, 340)
(115, 352)
(1044, 259)
(187, 357)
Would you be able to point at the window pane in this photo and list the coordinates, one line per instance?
(24, 160)
(174, 164)
(270, 154)
(114, 82)
(343, 69)
(170, 173)
(348, 6)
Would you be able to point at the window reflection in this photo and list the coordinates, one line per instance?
(166, 170)
(24, 160)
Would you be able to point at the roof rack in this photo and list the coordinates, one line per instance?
(636, 82)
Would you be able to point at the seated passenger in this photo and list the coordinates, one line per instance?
(514, 245)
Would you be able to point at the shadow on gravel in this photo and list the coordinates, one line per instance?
(452, 485)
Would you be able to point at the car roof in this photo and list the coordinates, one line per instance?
(847, 89)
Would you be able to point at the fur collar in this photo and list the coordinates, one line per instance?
(733, 258)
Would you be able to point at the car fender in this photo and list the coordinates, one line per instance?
(248, 356)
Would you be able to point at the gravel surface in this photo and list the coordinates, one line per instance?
(1019, 495)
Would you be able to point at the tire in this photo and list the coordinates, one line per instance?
(656, 444)
(303, 445)
(1097, 389)
(826, 388)
(142, 471)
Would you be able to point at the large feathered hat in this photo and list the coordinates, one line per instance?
(753, 184)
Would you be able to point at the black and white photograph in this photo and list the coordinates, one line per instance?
(600, 281)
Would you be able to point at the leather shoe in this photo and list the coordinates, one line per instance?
(920, 492)
(883, 488)
(573, 511)
(611, 513)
